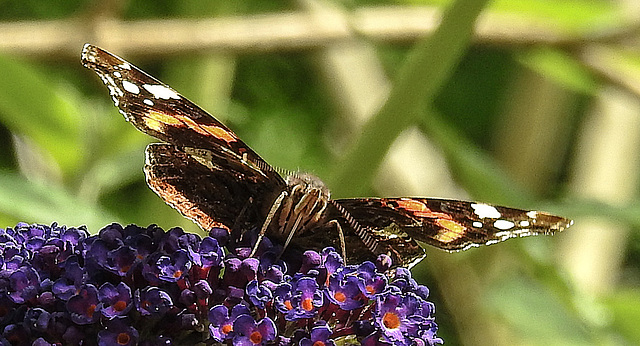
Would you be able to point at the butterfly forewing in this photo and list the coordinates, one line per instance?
(157, 110)
(451, 225)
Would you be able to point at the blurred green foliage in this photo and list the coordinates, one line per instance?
(68, 156)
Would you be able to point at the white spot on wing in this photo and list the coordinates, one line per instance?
(502, 236)
(477, 224)
(148, 102)
(532, 214)
(117, 74)
(503, 224)
(485, 211)
(524, 223)
(130, 87)
(125, 65)
(161, 92)
(114, 90)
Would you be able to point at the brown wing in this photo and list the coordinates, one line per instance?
(211, 188)
(157, 110)
(451, 225)
(367, 234)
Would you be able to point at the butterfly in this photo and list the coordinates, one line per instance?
(212, 177)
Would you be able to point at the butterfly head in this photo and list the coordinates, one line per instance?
(308, 183)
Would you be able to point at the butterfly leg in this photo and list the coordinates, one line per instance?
(308, 209)
(236, 232)
(267, 221)
(242, 214)
(291, 233)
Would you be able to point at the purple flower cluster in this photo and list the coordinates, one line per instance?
(144, 286)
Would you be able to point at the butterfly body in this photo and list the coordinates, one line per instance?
(213, 178)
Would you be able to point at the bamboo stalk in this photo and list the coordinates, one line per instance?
(605, 170)
(275, 32)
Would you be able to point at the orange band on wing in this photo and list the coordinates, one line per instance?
(451, 230)
(155, 120)
(154, 124)
(221, 134)
(179, 201)
(420, 209)
(164, 118)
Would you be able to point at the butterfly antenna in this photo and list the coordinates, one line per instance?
(265, 166)
(364, 235)
(285, 172)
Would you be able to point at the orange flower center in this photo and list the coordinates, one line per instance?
(227, 328)
(391, 320)
(177, 274)
(307, 304)
(370, 289)
(339, 296)
(120, 305)
(91, 309)
(123, 339)
(288, 305)
(255, 337)
(318, 343)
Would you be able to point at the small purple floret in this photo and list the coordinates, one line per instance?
(250, 333)
(115, 300)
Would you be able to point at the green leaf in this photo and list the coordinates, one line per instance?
(574, 15)
(629, 213)
(426, 68)
(560, 67)
(38, 203)
(472, 168)
(534, 315)
(625, 308)
(111, 172)
(565, 15)
(32, 105)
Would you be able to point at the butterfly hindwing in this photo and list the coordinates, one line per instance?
(209, 188)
